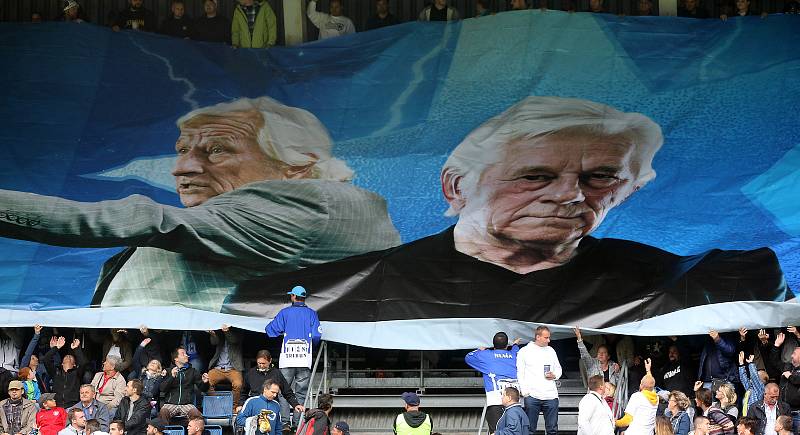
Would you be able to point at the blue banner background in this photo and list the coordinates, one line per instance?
(89, 115)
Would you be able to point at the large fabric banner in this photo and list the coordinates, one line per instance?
(429, 184)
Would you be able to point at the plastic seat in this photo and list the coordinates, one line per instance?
(218, 408)
(174, 430)
(212, 429)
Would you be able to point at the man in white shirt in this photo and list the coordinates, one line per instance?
(537, 371)
(640, 413)
(594, 414)
(330, 25)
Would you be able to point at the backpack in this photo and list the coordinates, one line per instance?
(306, 427)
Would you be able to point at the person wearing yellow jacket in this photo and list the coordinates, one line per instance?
(253, 25)
(640, 413)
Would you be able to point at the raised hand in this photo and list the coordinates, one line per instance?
(61, 342)
(53, 341)
(750, 359)
(763, 336)
(741, 358)
(143, 329)
(225, 328)
(37, 329)
(75, 344)
(779, 339)
(578, 334)
(146, 341)
(742, 333)
(648, 363)
(698, 385)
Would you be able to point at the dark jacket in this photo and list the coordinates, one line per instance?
(723, 353)
(66, 384)
(216, 29)
(136, 424)
(177, 27)
(180, 390)
(254, 381)
(790, 387)
(141, 19)
(322, 423)
(759, 412)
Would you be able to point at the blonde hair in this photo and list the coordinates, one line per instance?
(730, 395)
(680, 399)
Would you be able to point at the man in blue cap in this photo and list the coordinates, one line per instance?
(412, 421)
(301, 331)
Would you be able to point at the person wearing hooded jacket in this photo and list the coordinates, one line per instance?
(319, 417)
(412, 421)
(254, 25)
(640, 413)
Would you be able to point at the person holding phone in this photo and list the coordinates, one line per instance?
(537, 370)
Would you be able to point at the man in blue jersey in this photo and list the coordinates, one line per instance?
(254, 406)
(499, 368)
(301, 331)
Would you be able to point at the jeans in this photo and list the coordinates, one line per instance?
(795, 422)
(549, 408)
(298, 379)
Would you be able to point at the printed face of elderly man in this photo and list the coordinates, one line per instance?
(529, 184)
(219, 149)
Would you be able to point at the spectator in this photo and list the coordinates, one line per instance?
(29, 384)
(663, 426)
(330, 25)
(147, 350)
(93, 409)
(791, 7)
(77, 423)
(115, 344)
(439, 11)
(675, 373)
(783, 425)
(692, 9)
(151, 376)
(640, 412)
(178, 388)
(753, 382)
(518, 5)
(110, 386)
(412, 421)
(596, 6)
(514, 421)
(31, 360)
(262, 372)
(253, 25)
(677, 413)
(716, 362)
(72, 12)
(135, 17)
(267, 401)
(17, 414)
(482, 8)
(611, 389)
(594, 417)
(726, 400)
(67, 377)
(498, 366)
(11, 341)
(51, 419)
(746, 426)
(767, 411)
(790, 379)
(599, 365)
(134, 410)
(772, 367)
(93, 427)
(212, 27)
(195, 426)
(537, 370)
(644, 8)
(177, 24)
(382, 17)
(36, 17)
(719, 423)
(340, 428)
(226, 364)
(700, 425)
(318, 418)
(301, 331)
(155, 427)
(192, 348)
(117, 427)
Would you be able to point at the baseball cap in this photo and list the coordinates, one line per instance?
(298, 290)
(343, 426)
(15, 385)
(411, 398)
(156, 423)
(69, 4)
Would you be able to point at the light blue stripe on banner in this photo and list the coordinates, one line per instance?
(778, 190)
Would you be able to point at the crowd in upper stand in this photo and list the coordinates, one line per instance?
(254, 24)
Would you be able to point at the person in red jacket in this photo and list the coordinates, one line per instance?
(51, 418)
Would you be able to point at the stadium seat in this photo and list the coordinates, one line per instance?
(218, 408)
(174, 430)
(212, 429)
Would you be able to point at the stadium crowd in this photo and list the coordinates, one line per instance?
(254, 23)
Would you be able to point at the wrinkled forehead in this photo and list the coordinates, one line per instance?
(238, 123)
(571, 146)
